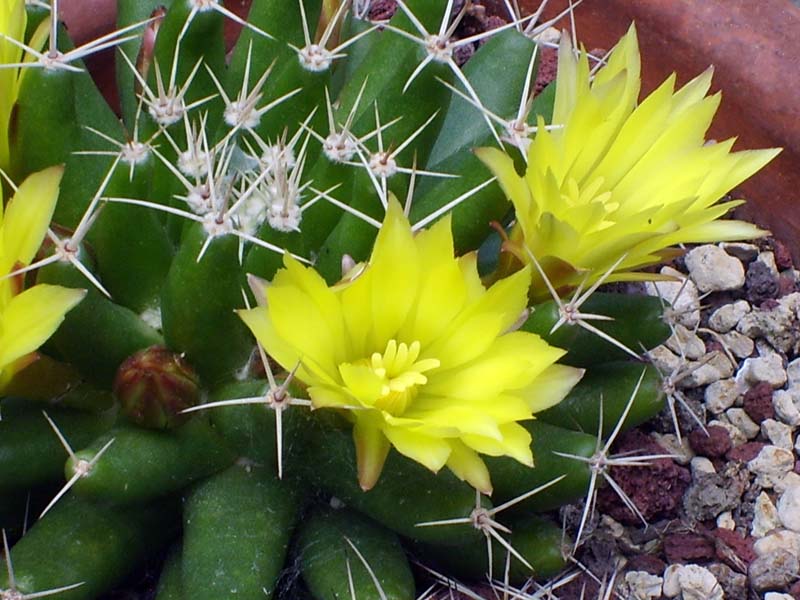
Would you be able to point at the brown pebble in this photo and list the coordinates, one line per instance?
(741, 546)
(687, 548)
(713, 445)
(745, 452)
(760, 282)
(783, 256)
(786, 285)
(656, 489)
(758, 402)
(548, 65)
(648, 563)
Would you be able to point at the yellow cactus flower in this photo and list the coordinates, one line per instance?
(28, 317)
(12, 24)
(617, 179)
(416, 351)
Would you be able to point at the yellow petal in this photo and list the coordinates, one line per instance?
(502, 166)
(31, 317)
(299, 322)
(394, 275)
(362, 382)
(516, 443)
(27, 217)
(465, 463)
(475, 329)
(426, 450)
(330, 396)
(511, 362)
(551, 387)
(372, 448)
(442, 290)
(259, 322)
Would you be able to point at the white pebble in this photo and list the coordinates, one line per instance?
(725, 521)
(765, 516)
(739, 345)
(739, 418)
(713, 270)
(692, 582)
(682, 296)
(793, 372)
(686, 341)
(671, 585)
(782, 539)
(768, 258)
(721, 395)
(778, 596)
(728, 316)
(714, 367)
(780, 434)
(775, 324)
(791, 479)
(701, 465)
(791, 301)
(642, 585)
(787, 406)
(771, 464)
(664, 360)
(789, 508)
(767, 368)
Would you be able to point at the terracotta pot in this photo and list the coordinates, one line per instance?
(754, 48)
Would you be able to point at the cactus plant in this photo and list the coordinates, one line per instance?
(304, 223)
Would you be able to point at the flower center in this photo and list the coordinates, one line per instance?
(401, 373)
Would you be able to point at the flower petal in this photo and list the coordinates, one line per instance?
(427, 450)
(27, 217)
(442, 290)
(372, 448)
(394, 275)
(31, 317)
(465, 463)
(516, 443)
(551, 387)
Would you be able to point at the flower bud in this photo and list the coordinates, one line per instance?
(154, 386)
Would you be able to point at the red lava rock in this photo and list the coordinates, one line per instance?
(797, 467)
(760, 283)
(713, 445)
(794, 591)
(688, 548)
(786, 285)
(713, 345)
(783, 257)
(731, 541)
(745, 452)
(758, 402)
(548, 64)
(656, 489)
(648, 563)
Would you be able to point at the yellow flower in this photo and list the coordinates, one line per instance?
(12, 24)
(29, 317)
(417, 352)
(620, 179)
